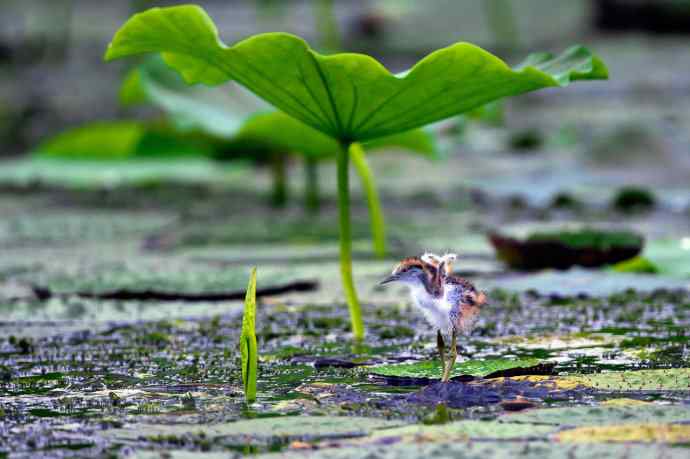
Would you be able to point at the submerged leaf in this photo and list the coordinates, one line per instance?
(463, 430)
(433, 369)
(482, 450)
(248, 346)
(347, 96)
(622, 381)
(560, 342)
(656, 433)
(261, 428)
(667, 379)
(602, 415)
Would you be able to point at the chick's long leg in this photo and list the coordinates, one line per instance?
(441, 348)
(448, 367)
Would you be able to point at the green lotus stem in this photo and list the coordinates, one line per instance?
(279, 195)
(378, 227)
(312, 201)
(346, 242)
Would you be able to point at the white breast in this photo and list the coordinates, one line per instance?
(435, 310)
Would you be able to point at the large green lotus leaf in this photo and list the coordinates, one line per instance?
(432, 369)
(347, 96)
(276, 131)
(602, 415)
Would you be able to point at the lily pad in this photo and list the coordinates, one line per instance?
(578, 281)
(656, 433)
(602, 415)
(273, 427)
(670, 256)
(69, 227)
(558, 342)
(483, 450)
(464, 430)
(637, 380)
(432, 369)
(152, 274)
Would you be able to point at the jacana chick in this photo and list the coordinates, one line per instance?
(450, 303)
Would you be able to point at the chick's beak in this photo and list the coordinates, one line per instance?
(391, 278)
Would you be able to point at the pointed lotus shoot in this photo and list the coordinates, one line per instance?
(349, 97)
(248, 346)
